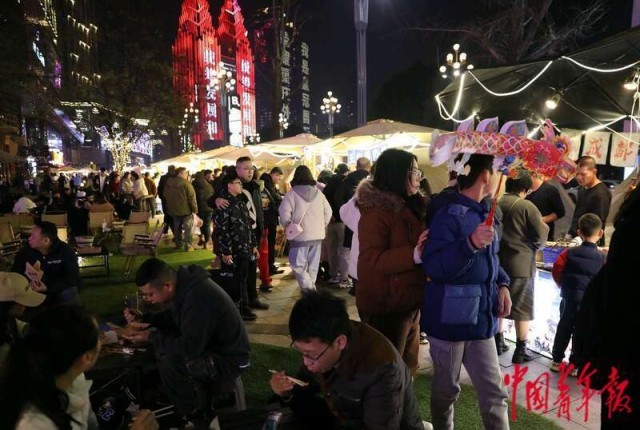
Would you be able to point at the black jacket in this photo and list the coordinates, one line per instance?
(254, 189)
(330, 191)
(202, 319)
(60, 267)
(204, 191)
(234, 235)
(583, 264)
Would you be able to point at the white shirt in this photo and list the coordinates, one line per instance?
(78, 408)
(23, 205)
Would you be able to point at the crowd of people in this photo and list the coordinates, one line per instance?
(452, 265)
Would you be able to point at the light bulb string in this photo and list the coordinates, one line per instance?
(596, 69)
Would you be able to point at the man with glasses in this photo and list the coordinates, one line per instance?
(362, 378)
(235, 243)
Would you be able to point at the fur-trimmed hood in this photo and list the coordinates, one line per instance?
(370, 197)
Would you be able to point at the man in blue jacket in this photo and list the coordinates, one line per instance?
(466, 292)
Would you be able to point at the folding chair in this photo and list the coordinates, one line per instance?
(138, 217)
(97, 218)
(59, 219)
(143, 245)
(9, 244)
(130, 231)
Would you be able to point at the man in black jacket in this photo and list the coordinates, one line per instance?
(337, 254)
(50, 264)
(168, 219)
(200, 339)
(251, 192)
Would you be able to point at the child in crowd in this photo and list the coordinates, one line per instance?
(572, 271)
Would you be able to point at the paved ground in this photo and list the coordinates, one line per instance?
(271, 328)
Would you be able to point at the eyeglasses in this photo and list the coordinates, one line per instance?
(308, 356)
(419, 174)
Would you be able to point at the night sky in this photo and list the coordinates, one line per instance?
(331, 36)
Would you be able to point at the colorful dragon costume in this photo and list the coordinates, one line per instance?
(511, 147)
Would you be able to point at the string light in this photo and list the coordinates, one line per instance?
(595, 69)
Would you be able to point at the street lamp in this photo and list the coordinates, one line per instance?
(224, 83)
(283, 124)
(360, 19)
(188, 127)
(330, 107)
(252, 139)
(456, 62)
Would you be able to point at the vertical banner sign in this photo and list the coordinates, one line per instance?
(596, 145)
(210, 77)
(624, 150)
(285, 74)
(235, 120)
(574, 147)
(306, 97)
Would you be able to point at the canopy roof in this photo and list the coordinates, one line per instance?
(380, 133)
(588, 97)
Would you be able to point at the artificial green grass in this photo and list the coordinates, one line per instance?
(467, 415)
(104, 295)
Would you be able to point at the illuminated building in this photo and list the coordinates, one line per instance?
(198, 51)
(293, 98)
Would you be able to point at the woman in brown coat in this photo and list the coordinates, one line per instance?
(391, 232)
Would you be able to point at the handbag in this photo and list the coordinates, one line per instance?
(294, 229)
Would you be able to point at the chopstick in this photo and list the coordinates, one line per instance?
(292, 379)
(162, 410)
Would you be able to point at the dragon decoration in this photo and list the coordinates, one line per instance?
(548, 156)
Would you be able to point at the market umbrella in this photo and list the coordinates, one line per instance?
(586, 98)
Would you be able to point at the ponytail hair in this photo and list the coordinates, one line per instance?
(55, 339)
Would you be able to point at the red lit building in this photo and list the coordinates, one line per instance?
(198, 50)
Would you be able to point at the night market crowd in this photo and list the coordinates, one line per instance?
(443, 269)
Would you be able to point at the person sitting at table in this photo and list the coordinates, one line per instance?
(100, 204)
(199, 340)
(23, 205)
(50, 264)
(15, 295)
(42, 383)
(360, 375)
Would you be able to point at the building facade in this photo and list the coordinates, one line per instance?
(214, 74)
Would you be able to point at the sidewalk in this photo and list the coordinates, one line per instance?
(271, 328)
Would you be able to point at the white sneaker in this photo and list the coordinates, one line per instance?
(554, 367)
(427, 425)
(345, 284)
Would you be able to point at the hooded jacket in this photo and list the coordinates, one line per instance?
(461, 296)
(201, 319)
(388, 231)
(307, 206)
(180, 197)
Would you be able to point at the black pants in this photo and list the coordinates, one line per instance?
(252, 277)
(566, 327)
(168, 219)
(233, 279)
(271, 240)
(206, 225)
(183, 391)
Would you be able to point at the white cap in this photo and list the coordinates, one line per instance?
(15, 288)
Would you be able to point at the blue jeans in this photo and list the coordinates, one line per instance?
(481, 362)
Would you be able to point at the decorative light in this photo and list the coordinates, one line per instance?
(457, 61)
(552, 102)
(330, 107)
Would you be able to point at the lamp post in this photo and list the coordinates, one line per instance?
(252, 139)
(283, 124)
(330, 107)
(361, 19)
(224, 83)
(188, 127)
(456, 62)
